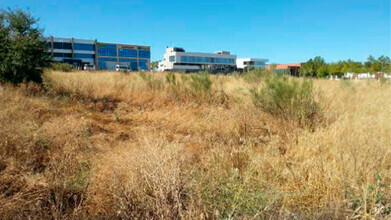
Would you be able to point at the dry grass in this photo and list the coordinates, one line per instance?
(128, 146)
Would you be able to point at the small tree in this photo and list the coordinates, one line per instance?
(22, 49)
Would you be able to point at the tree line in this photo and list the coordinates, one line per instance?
(317, 67)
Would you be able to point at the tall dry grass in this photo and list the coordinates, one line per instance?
(133, 146)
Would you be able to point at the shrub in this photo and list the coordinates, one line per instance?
(63, 67)
(200, 83)
(22, 51)
(255, 75)
(152, 83)
(288, 98)
(200, 86)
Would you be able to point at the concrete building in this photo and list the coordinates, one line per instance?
(177, 59)
(104, 56)
(250, 63)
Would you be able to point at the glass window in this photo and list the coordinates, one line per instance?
(107, 50)
(57, 45)
(127, 53)
(143, 64)
(58, 54)
(67, 46)
(68, 55)
(192, 59)
(127, 60)
(144, 54)
(184, 59)
(171, 59)
(102, 65)
(80, 56)
(88, 47)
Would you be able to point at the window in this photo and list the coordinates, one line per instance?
(143, 64)
(127, 60)
(184, 59)
(58, 54)
(57, 45)
(192, 59)
(144, 54)
(171, 58)
(107, 50)
(67, 46)
(127, 53)
(81, 56)
(68, 55)
(87, 47)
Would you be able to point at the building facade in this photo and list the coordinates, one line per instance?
(104, 56)
(177, 59)
(292, 69)
(250, 63)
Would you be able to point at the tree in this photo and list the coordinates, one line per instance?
(384, 62)
(322, 71)
(22, 49)
(154, 64)
(312, 66)
(307, 68)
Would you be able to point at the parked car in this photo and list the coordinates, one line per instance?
(121, 68)
(89, 67)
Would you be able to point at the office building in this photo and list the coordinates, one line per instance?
(177, 59)
(104, 56)
(250, 63)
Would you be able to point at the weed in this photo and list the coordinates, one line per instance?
(288, 98)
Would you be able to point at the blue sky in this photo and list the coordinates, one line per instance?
(279, 30)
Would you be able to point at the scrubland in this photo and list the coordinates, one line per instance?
(106, 145)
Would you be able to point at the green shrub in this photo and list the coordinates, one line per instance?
(63, 67)
(288, 98)
(255, 75)
(171, 79)
(152, 83)
(200, 85)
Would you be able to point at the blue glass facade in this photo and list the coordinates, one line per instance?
(258, 63)
(81, 56)
(86, 47)
(143, 64)
(108, 50)
(104, 55)
(193, 59)
(144, 54)
(127, 53)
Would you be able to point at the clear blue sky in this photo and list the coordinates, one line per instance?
(280, 30)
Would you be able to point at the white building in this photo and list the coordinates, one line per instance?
(176, 59)
(249, 63)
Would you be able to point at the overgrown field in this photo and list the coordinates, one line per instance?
(179, 146)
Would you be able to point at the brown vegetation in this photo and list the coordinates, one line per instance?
(142, 146)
